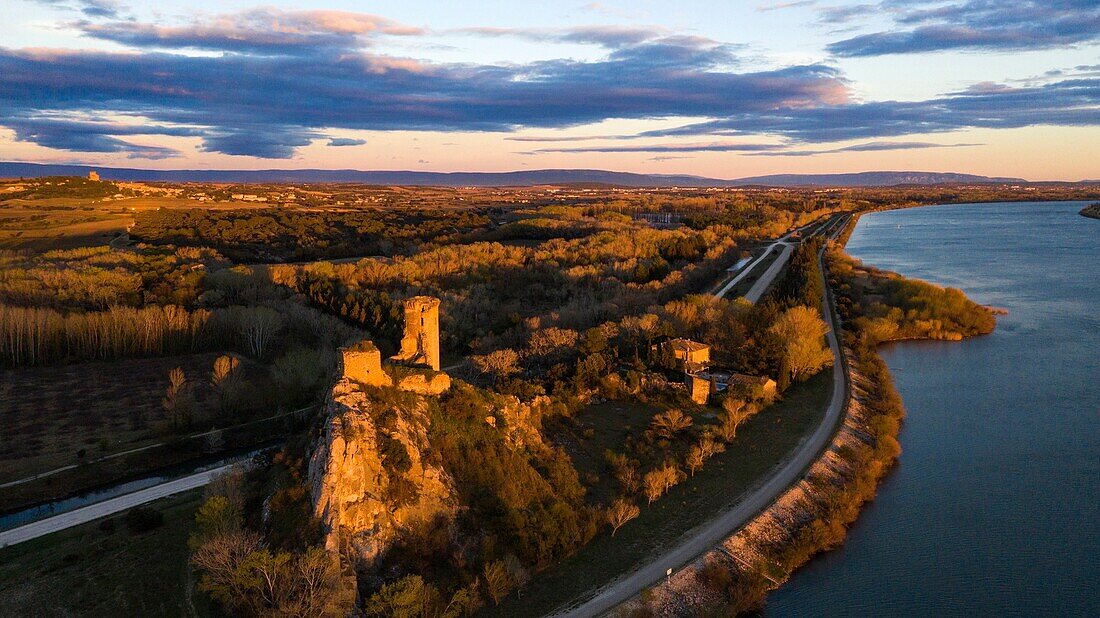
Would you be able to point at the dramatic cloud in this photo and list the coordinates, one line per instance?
(279, 80)
(64, 134)
(1069, 102)
(267, 104)
(999, 25)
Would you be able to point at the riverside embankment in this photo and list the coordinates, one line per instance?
(813, 514)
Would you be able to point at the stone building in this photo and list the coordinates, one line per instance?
(759, 386)
(687, 355)
(93, 175)
(362, 363)
(420, 345)
(698, 388)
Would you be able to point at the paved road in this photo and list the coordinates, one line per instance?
(765, 281)
(714, 531)
(107, 507)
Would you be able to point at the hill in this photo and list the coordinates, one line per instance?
(492, 179)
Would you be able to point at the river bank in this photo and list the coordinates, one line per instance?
(813, 515)
(992, 505)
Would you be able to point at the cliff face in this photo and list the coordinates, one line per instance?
(369, 478)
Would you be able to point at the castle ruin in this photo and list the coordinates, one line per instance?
(363, 363)
(420, 345)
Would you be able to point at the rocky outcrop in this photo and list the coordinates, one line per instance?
(421, 384)
(369, 478)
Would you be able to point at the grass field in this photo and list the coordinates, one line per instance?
(50, 414)
(762, 443)
(105, 569)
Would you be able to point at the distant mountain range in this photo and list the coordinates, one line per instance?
(496, 179)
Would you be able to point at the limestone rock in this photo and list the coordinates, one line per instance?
(364, 492)
(423, 385)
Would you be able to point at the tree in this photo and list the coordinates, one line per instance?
(224, 379)
(177, 400)
(701, 451)
(670, 422)
(734, 412)
(694, 459)
(258, 326)
(801, 332)
(220, 559)
(321, 590)
(464, 602)
(621, 511)
(625, 471)
(659, 480)
(498, 582)
(499, 364)
(408, 597)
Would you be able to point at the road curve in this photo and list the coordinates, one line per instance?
(714, 531)
(88, 513)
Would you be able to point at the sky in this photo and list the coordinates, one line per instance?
(718, 88)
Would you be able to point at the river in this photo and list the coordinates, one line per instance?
(994, 506)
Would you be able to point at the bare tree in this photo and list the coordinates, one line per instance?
(499, 364)
(259, 326)
(660, 480)
(621, 511)
(670, 422)
(734, 412)
(694, 459)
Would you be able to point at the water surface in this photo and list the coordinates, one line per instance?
(994, 507)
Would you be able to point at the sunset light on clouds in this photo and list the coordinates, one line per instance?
(711, 88)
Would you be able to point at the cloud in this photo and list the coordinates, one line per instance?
(777, 6)
(345, 141)
(712, 147)
(82, 136)
(760, 150)
(262, 30)
(987, 25)
(660, 158)
(844, 14)
(1068, 102)
(262, 142)
(867, 147)
(606, 36)
(282, 100)
(90, 8)
(287, 78)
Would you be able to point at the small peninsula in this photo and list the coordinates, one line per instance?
(1092, 211)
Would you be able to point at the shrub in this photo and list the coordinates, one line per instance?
(143, 519)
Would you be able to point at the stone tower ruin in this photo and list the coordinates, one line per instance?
(362, 363)
(420, 345)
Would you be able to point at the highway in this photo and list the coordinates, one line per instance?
(711, 533)
(91, 512)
